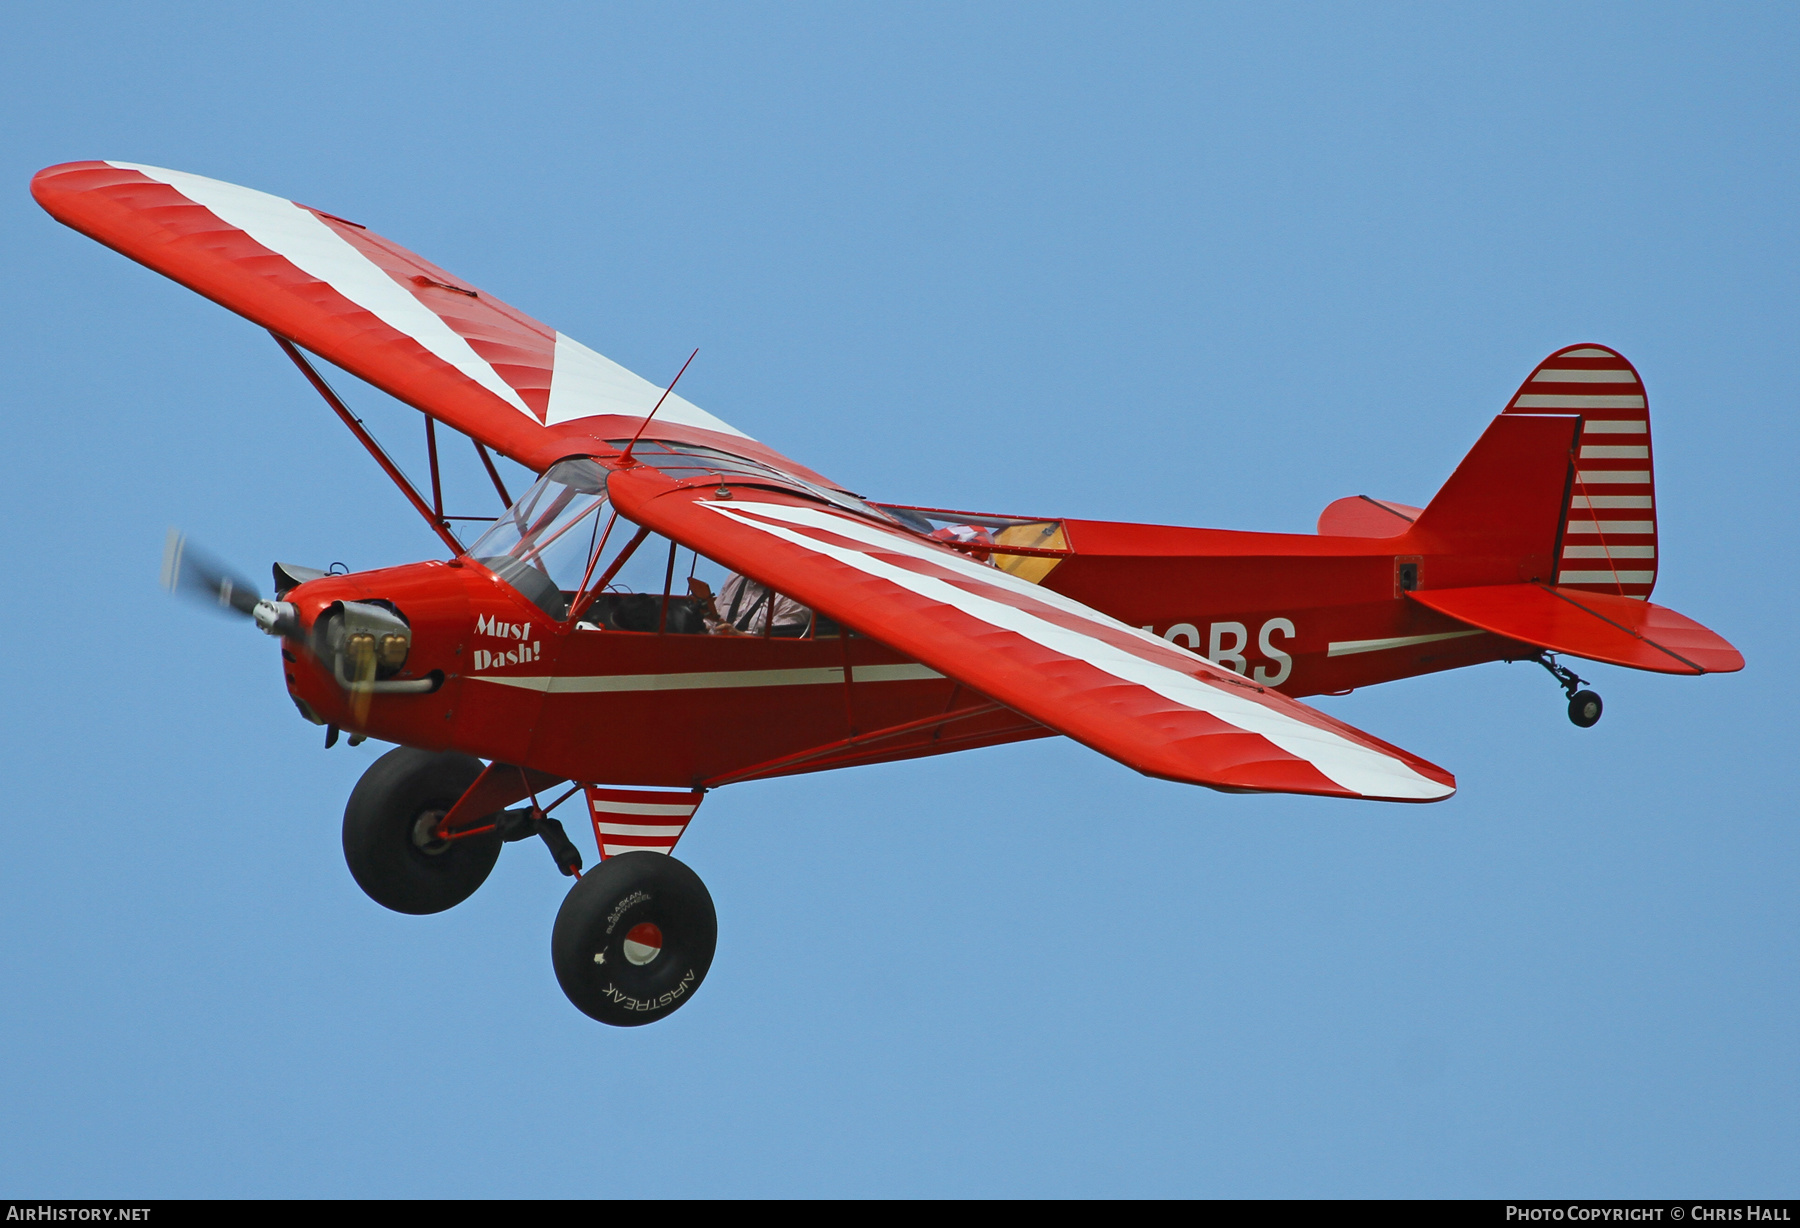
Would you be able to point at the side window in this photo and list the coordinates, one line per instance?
(659, 586)
(1044, 540)
(631, 597)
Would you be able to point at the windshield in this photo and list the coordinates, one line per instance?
(563, 535)
(543, 543)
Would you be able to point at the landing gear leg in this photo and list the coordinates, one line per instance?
(522, 824)
(1584, 706)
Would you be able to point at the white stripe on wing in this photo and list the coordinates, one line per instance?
(299, 237)
(1357, 768)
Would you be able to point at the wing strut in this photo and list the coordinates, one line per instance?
(436, 520)
(493, 473)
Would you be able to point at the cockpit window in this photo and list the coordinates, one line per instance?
(564, 548)
(976, 529)
(686, 460)
(543, 544)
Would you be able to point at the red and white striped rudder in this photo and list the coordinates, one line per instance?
(1608, 542)
(633, 820)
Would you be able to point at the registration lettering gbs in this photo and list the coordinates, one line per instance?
(1225, 643)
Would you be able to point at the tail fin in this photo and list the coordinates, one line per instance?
(1561, 482)
(1608, 543)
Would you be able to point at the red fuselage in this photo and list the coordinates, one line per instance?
(1302, 614)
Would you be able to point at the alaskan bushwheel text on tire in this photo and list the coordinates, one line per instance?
(389, 840)
(634, 938)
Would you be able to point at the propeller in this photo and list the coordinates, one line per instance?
(196, 574)
(355, 639)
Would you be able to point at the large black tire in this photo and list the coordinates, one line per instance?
(387, 832)
(634, 939)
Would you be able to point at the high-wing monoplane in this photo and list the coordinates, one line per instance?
(674, 606)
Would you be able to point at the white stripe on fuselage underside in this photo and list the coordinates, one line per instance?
(299, 237)
(1360, 769)
(1346, 648)
(720, 680)
(639, 809)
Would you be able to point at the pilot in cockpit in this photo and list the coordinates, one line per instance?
(744, 607)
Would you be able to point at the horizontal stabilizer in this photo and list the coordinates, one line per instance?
(1598, 626)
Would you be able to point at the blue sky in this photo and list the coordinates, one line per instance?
(1181, 264)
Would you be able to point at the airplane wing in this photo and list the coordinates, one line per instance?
(375, 309)
(1124, 692)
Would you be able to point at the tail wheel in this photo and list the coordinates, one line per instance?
(634, 939)
(1585, 708)
(390, 832)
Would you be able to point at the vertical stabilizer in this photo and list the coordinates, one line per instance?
(1497, 519)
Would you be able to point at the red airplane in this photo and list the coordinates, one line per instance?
(675, 606)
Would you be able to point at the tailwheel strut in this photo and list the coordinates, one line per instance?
(1584, 706)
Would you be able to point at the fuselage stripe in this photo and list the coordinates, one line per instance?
(713, 680)
(1345, 648)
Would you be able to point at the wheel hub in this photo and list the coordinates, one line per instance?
(424, 833)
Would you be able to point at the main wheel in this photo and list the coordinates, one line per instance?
(389, 832)
(1584, 709)
(634, 938)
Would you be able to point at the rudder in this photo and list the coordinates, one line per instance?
(1608, 541)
